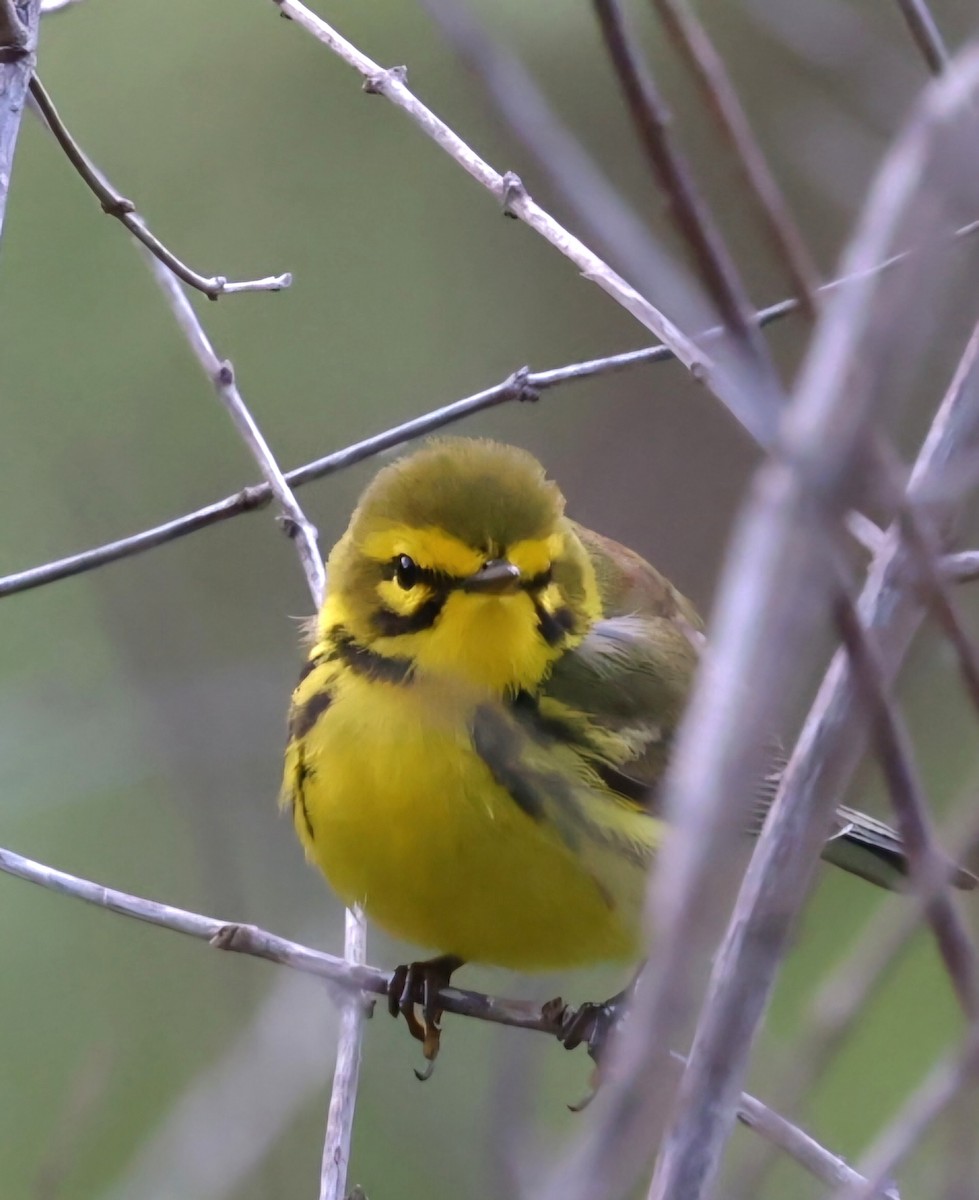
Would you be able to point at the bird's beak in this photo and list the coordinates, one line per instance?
(498, 577)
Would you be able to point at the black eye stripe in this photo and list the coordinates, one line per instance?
(437, 580)
(539, 581)
(391, 624)
(440, 581)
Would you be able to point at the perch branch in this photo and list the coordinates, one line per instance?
(346, 977)
(114, 204)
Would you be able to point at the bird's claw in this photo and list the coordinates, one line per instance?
(591, 1024)
(419, 983)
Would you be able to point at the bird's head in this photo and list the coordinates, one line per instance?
(459, 560)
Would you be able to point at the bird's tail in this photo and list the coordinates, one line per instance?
(874, 851)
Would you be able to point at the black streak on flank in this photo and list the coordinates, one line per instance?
(554, 627)
(497, 742)
(304, 717)
(302, 774)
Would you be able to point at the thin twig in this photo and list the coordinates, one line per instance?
(708, 249)
(346, 1072)
(846, 994)
(711, 73)
(806, 1151)
(508, 190)
(351, 978)
(114, 204)
(339, 1126)
(53, 6)
(521, 385)
(927, 36)
(922, 1108)
(222, 376)
(896, 758)
(934, 578)
(600, 209)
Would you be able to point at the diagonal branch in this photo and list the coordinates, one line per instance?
(711, 74)
(114, 204)
(773, 595)
(221, 373)
(927, 36)
(521, 385)
(894, 753)
(653, 121)
(339, 1127)
(517, 202)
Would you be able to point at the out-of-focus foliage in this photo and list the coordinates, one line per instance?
(141, 707)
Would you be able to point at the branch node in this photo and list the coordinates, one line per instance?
(289, 525)
(256, 495)
(377, 85)
(519, 388)
(225, 376)
(231, 937)
(118, 206)
(512, 191)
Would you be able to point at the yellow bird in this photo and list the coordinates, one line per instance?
(485, 713)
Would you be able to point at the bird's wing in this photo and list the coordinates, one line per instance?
(622, 690)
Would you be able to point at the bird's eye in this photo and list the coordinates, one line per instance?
(405, 571)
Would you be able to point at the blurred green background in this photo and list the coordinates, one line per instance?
(142, 706)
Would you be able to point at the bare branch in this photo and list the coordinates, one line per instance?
(652, 120)
(797, 1144)
(722, 100)
(346, 1072)
(116, 205)
(927, 36)
(920, 1110)
(521, 385)
(353, 978)
(222, 376)
(894, 753)
(53, 6)
(775, 592)
(507, 188)
(840, 999)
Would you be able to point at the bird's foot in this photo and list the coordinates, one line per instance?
(415, 984)
(589, 1023)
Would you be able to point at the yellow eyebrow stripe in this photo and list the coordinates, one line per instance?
(534, 555)
(431, 547)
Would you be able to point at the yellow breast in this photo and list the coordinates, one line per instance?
(404, 818)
